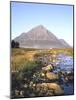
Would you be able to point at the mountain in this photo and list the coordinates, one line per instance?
(64, 43)
(40, 37)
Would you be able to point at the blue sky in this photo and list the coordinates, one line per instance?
(57, 18)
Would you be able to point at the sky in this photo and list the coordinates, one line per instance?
(56, 18)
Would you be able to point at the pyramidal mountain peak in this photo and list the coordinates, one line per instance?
(40, 37)
(40, 26)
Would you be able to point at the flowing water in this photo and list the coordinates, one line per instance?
(66, 65)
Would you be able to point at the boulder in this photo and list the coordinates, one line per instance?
(48, 68)
(52, 88)
(57, 89)
(51, 75)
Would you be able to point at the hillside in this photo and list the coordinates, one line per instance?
(40, 37)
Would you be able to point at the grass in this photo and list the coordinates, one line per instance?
(20, 56)
(26, 73)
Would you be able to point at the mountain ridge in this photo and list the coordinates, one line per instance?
(40, 37)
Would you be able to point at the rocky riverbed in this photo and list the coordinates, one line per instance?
(43, 77)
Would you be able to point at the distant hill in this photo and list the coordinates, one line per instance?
(40, 37)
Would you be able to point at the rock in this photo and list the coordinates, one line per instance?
(47, 68)
(34, 85)
(44, 85)
(31, 82)
(51, 88)
(25, 86)
(49, 94)
(42, 74)
(17, 92)
(57, 89)
(51, 75)
(22, 93)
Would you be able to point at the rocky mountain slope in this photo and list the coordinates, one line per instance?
(40, 37)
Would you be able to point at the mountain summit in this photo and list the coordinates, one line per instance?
(40, 37)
